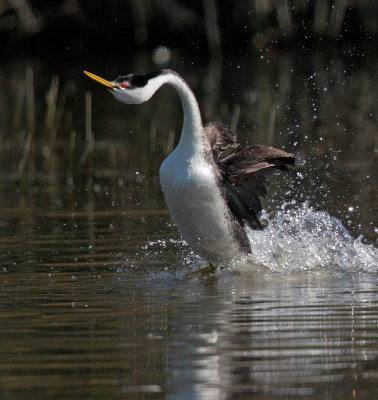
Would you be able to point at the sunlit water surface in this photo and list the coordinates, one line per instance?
(101, 299)
(102, 303)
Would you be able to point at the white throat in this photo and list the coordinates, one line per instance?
(192, 129)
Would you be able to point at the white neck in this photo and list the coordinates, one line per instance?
(192, 129)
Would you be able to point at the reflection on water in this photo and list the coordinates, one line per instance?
(106, 302)
(268, 335)
(100, 298)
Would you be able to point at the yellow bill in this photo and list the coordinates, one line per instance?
(100, 80)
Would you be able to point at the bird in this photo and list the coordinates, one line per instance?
(212, 199)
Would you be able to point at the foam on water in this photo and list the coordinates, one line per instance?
(301, 239)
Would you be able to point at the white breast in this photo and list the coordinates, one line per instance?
(197, 206)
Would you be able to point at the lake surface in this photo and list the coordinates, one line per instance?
(101, 299)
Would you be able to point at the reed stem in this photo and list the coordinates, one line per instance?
(30, 122)
(50, 123)
(89, 136)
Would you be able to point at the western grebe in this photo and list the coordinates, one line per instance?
(210, 199)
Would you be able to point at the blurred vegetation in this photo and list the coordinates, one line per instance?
(299, 75)
(54, 132)
(118, 25)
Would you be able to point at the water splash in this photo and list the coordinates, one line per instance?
(297, 238)
(302, 239)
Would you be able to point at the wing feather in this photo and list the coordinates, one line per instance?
(245, 173)
(246, 176)
(220, 138)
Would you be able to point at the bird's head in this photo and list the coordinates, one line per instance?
(132, 89)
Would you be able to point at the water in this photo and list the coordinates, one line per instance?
(110, 302)
(100, 297)
(301, 238)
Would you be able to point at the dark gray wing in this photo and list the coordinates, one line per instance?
(220, 138)
(246, 176)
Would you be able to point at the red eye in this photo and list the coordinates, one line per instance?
(123, 84)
